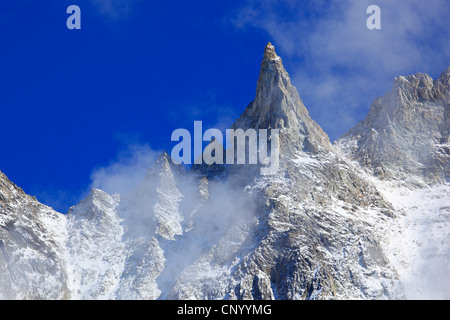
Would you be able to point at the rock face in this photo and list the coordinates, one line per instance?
(94, 247)
(278, 105)
(157, 194)
(32, 264)
(311, 233)
(319, 228)
(406, 133)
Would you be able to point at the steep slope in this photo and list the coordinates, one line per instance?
(152, 216)
(114, 242)
(417, 244)
(406, 133)
(278, 105)
(32, 264)
(404, 144)
(94, 249)
(154, 207)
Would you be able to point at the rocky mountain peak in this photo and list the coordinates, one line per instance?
(270, 54)
(277, 105)
(422, 87)
(97, 205)
(153, 206)
(7, 189)
(442, 87)
(406, 130)
(446, 75)
(162, 162)
(414, 87)
(163, 166)
(31, 247)
(163, 157)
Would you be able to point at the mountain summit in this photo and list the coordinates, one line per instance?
(406, 132)
(277, 105)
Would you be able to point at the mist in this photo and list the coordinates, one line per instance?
(124, 173)
(173, 215)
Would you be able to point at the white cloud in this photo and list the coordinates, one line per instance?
(126, 171)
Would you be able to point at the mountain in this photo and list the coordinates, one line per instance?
(406, 133)
(32, 263)
(278, 105)
(403, 146)
(311, 233)
(361, 218)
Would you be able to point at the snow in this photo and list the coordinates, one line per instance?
(161, 243)
(94, 250)
(304, 159)
(418, 244)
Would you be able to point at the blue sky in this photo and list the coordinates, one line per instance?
(80, 106)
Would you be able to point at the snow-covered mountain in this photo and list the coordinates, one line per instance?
(364, 218)
(406, 133)
(32, 247)
(403, 146)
